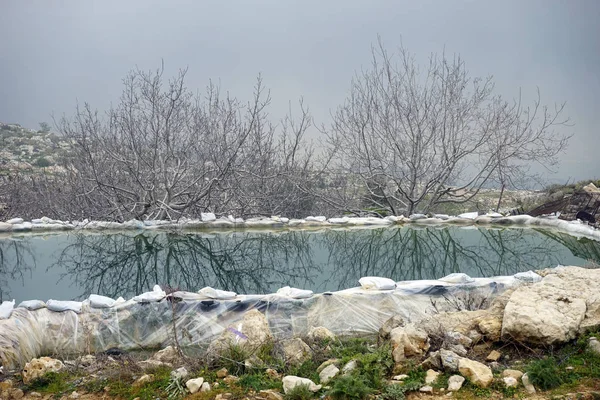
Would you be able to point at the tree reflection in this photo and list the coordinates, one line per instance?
(16, 260)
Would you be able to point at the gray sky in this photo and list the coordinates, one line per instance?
(53, 53)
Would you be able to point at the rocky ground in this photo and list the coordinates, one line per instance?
(536, 341)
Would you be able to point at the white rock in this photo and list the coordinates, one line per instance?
(455, 382)
(528, 386)
(290, 382)
(349, 367)
(205, 387)
(318, 334)
(449, 360)
(509, 381)
(426, 389)
(179, 373)
(512, 373)
(252, 333)
(38, 367)
(594, 345)
(295, 351)
(327, 373)
(479, 374)
(194, 385)
(431, 376)
(408, 341)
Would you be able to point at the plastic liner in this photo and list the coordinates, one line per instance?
(136, 325)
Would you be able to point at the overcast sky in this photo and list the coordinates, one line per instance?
(53, 53)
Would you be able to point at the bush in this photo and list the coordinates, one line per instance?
(545, 373)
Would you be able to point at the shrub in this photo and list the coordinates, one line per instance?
(349, 387)
(545, 373)
(299, 392)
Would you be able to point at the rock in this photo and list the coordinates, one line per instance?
(319, 334)
(509, 381)
(152, 364)
(433, 361)
(205, 387)
(144, 379)
(222, 373)
(167, 355)
(449, 360)
(194, 385)
(250, 335)
(455, 382)
(17, 394)
(74, 395)
(38, 367)
(400, 377)
(230, 379)
(491, 327)
(408, 341)
(528, 386)
(495, 366)
(594, 345)
(493, 356)
(457, 338)
(223, 396)
(426, 389)
(87, 360)
(6, 385)
(295, 351)
(431, 376)
(479, 374)
(513, 373)
(327, 373)
(457, 349)
(290, 382)
(273, 374)
(270, 394)
(565, 303)
(331, 361)
(349, 367)
(477, 337)
(34, 394)
(387, 327)
(180, 373)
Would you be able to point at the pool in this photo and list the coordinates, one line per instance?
(72, 265)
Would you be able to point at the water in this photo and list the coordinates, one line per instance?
(72, 266)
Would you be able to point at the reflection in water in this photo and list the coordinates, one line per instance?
(251, 262)
(16, 261)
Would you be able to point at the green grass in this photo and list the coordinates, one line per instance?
(299, 392)
(53, 382)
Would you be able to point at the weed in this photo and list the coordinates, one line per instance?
(545, 373)
(258, 382)
(175, 388)
(398, 391)
(52, 382)
(299, 392)
(349, 387)
(307, 369)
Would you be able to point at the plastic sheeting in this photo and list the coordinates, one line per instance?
(134, 325)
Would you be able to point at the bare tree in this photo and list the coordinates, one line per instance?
(412, 138)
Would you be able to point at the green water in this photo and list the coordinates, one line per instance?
(72, 266)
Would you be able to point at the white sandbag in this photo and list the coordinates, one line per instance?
(157, 294)
(15, 221)
(457, 277)
(97, 301)
(469, 215)
(60, 305)
(206, 217)
(416, 217)
(528, 276)
(376, 283)
(6, 309)
(216, 293)
(316, 219)
(294, 293)
(32, 305)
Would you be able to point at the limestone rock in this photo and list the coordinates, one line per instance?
(349, 367)
(457, 338)
(510, 381)
(319, 334)
(74, 395)
(387, 327)
(142, 380)
(426, 389)
(273, 374)
(222, 373)
(38, 367)
(250, 335)
(295, 351)
(180, 373)
(528, 386)
(167, 355)
(17, 394)
(594, 345)
(513, 373)
(327, 373)
(290, 382)
(205, 387)
(270, 394)
(433, 361)
(455, 382)
(493, 356)
(230, 379)
(431, 376)
(491, 327)
(479, 374)
(151, 364)
(331, 361)
(194, 385)
(408, 341)
(449, 360)
(458, 349)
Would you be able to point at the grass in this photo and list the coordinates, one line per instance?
(299, 392)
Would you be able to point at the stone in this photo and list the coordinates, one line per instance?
(493, 356)
(510, 382)
(270, 394)
(331, 361)
(400, 377)
(433, 361)
(408, 341)
(167, 355)
(491, 327)
(449, 360)
(495, 366)
(38, 367)
(230, 379)
(179, 373)
(273, 374)
(457, 338)
(349, 367)
(594, 345)
(290, 382)
(74, 395)
(431, 376)
(144, 379)
(34, 394)
(205, 387)
(222, 373)
(514, 373)
(194, 385)
(6, 385)
(17, 394)
(479, 374)
(319, 334)
(387, 327)
(565, 303)
(252, 333)
(295, 351)
(457, 349)
(87, 360)
(528, 386)
(253, 362)
(327, 373)
(455, 382)
(152, 364)
(223, 396)
(426, 389)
